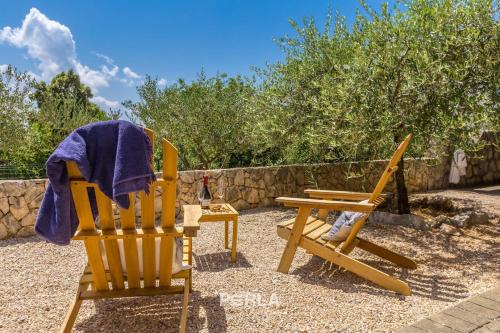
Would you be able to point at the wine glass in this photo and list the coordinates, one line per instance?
(221, 190)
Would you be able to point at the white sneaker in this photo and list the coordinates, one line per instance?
(339, 236)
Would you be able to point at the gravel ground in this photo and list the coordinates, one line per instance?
(487, 196)
(38, 281)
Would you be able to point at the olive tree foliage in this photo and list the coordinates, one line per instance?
(36, 117)
(427, 67)
(15, 108)
(208, 120)
(64, 105)
(46, 129)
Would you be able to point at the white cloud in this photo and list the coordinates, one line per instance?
(105, 57)
(46, 40)
(52, 45)
(162, 82)
(34, 76)
(130, 74)
(102, 101)
(111, 72)
(92, 78)
(3, 67)
(128, 82)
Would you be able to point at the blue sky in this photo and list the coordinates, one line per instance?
(113, 44)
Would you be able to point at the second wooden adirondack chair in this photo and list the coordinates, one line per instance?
(305, 230)
(113, 280)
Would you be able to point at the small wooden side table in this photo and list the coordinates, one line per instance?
(217, 213)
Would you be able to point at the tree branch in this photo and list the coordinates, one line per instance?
(399, 77)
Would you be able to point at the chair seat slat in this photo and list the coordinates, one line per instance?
(129, 233)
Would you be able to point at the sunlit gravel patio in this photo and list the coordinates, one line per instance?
(38, 281)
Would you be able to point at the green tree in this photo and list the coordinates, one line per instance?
(15, 109)
(429, 67)
(40, 116)
(63, 105)
(64, 86)
(208, 119)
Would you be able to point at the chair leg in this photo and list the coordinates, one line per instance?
(226, 234)
(234, 239)
(191, 280)
(294, 239)
(185, 302)
(386, 254)
(72, 313)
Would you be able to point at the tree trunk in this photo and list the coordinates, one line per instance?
(403, 203)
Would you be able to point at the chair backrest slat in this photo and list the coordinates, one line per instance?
(148, 221)
(390, 169)
(127, 220)
(166, 253)
(169, 191)
(92, 246)
(112, 251)
(377, 191)
(148, 208)
(168, 213)
(105, 209)
(148, 200)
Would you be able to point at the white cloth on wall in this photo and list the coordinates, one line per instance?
(458, 166)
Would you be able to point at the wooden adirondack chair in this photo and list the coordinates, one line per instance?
(98, 282)
(305, 230)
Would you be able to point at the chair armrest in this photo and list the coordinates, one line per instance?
(344, 195)
(192, 214)
(326, 204)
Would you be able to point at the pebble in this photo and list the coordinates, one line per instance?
(38, 281)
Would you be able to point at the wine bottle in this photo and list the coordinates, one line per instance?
(206, 197)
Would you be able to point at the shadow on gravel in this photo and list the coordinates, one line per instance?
(155, 314)
(219, 261)
(442, 261)
(215, 315)
(438, 287)
(493, 190)
(24, 240)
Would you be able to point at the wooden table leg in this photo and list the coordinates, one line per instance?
(226, 234)
(190, 262)
(235, 238)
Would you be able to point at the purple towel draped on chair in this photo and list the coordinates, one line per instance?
(115, 155)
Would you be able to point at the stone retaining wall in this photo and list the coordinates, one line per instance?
(19, 203)
(254, 187)
(484, 170)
